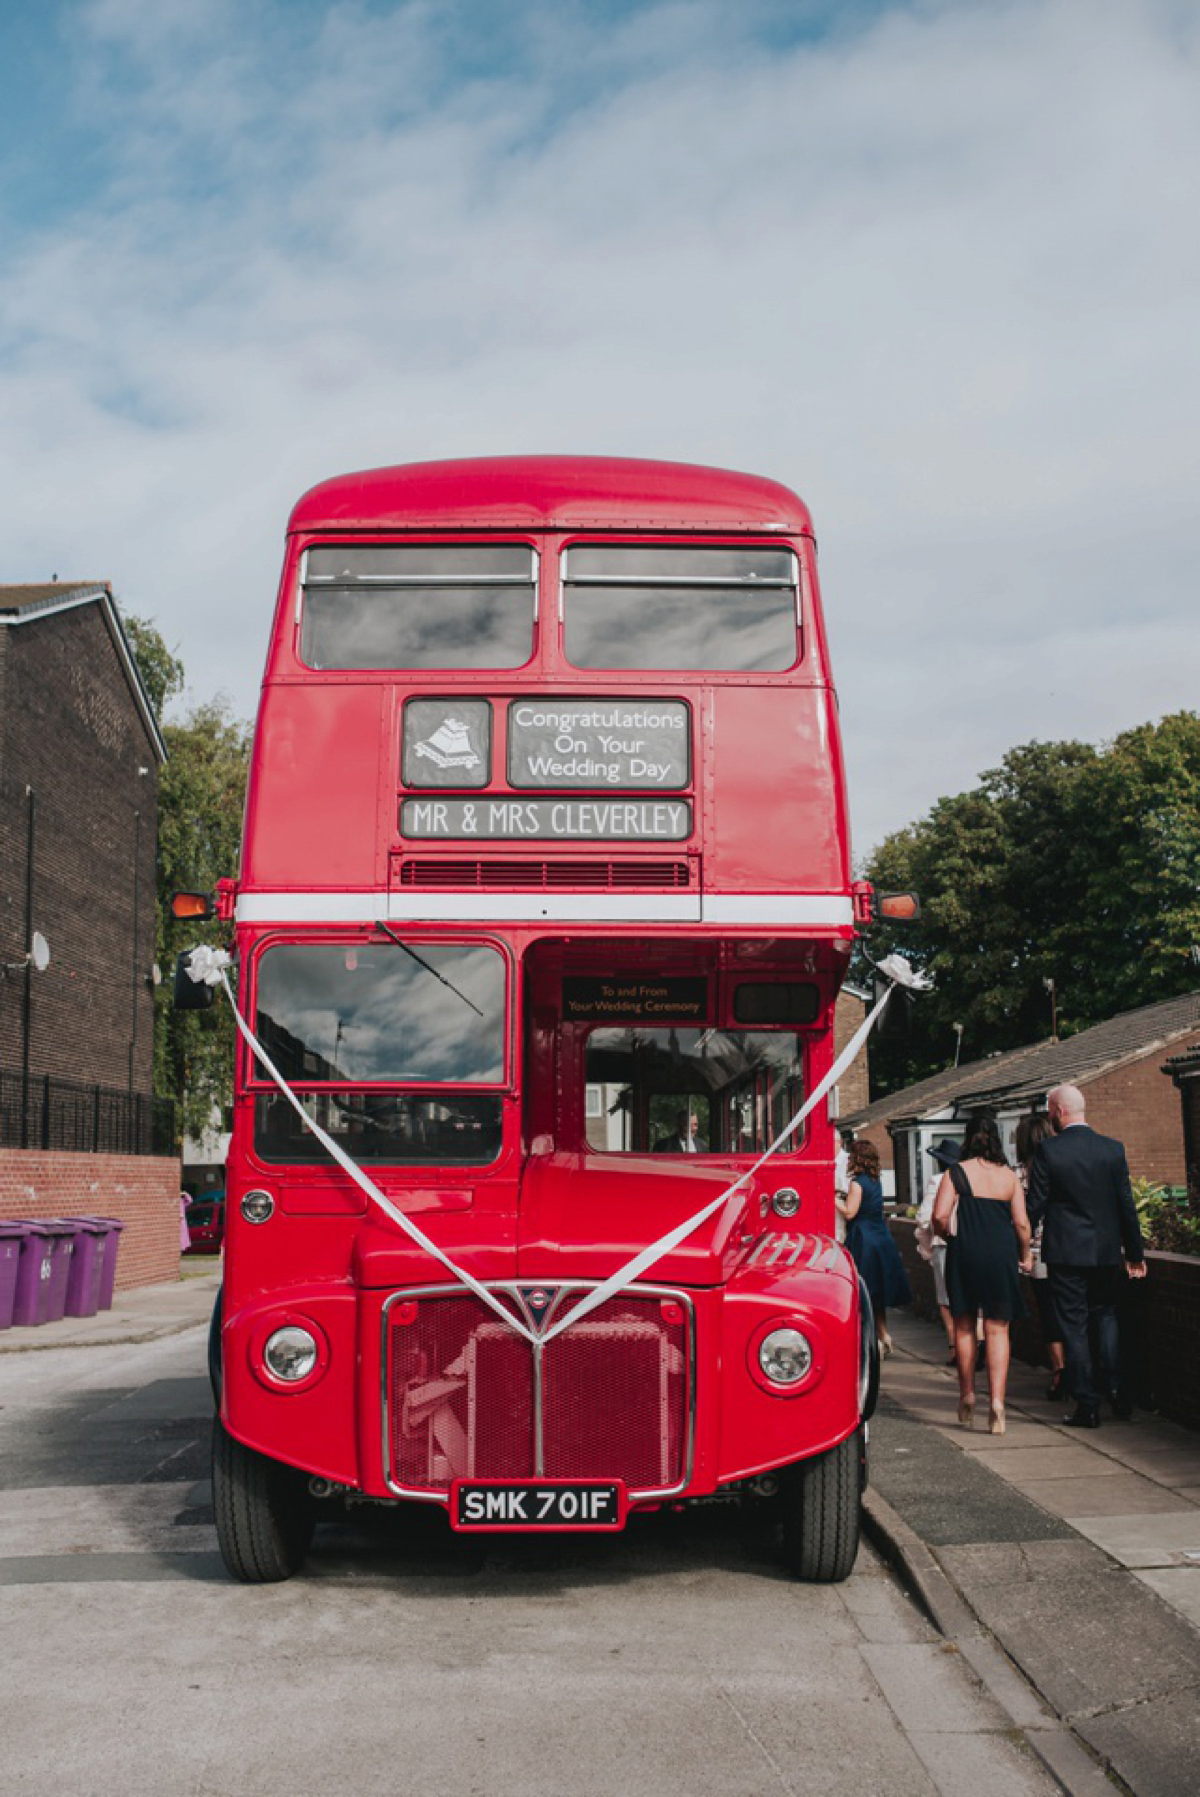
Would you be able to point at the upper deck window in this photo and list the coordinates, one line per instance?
(396, 606)
(721, 610)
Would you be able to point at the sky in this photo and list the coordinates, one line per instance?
(934, 264)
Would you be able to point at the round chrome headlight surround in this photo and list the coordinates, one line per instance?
(290, 1353)
(258, 1207)
(786, 1202)
(785, 1356)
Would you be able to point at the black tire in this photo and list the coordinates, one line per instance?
(822, 1505)
(263, 1512)
(214, 1348)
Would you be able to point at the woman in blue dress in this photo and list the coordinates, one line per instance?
(869, 1240)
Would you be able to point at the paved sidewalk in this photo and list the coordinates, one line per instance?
(137, 1316)
(1074, 1553)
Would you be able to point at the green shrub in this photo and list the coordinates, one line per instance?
(1169, 1221)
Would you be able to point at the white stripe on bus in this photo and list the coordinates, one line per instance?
(827, 910)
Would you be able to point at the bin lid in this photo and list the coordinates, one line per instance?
(89, 1225)
(55, 1226)
(11, 1228)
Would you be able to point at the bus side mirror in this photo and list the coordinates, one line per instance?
(190, 994)
(897, 907)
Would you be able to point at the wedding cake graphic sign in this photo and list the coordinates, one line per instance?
(447, 742)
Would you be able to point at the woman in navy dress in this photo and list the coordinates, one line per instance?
(980, 1212)
(869, 1239)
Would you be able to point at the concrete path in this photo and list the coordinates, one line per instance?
(139, 1316)
(1074, 1553)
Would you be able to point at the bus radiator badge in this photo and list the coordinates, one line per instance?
(537, 1300)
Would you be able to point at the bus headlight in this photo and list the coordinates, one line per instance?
(785, 1356)
(291, 1353)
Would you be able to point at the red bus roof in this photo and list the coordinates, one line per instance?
(550, 493)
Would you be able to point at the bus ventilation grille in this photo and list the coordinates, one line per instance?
(465, 873)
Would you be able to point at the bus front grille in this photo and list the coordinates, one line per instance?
(468, 1398)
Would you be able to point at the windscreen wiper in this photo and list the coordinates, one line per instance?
(421, 962)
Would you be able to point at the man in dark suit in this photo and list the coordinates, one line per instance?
(685, 1140)
(1079, 1190)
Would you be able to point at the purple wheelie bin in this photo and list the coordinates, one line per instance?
(87, 1266)
(112, 1227)
(31, 1303)
(11, 1237)
(62, 1254)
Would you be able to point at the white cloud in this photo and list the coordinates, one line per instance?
(941, 275)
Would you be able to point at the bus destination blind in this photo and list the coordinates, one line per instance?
(548, 820)
(657, 998)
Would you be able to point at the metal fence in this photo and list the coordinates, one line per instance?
(45, 1112)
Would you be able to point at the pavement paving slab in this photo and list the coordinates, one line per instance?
(1122, 1494)
(1166, 1538)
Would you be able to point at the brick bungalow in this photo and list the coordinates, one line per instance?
(1117, 1066)
(80, 753)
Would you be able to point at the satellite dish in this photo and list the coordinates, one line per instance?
(39, 952)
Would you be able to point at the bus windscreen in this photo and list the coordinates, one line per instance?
(740, 1088)
(383, 1013)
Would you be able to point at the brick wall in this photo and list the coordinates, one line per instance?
(70, 729)
(140, 1190)
(1160, 1326)
(881, 1141)
(1141, 1107)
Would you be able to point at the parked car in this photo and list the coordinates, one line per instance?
(206, 1223)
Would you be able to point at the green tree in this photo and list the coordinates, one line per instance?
(201, 798)
(1066, 863)
(161, 672)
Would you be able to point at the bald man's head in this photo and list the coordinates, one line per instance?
(1066, 1105)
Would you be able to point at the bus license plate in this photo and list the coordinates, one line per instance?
(545, 1505)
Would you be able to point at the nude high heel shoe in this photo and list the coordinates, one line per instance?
(966, 1412)
(996, 1419)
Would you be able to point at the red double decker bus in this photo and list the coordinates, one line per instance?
(544, 904)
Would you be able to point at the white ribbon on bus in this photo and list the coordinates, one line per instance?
(207, 966)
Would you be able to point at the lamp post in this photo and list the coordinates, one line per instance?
(1052, 988)
(958, 1036)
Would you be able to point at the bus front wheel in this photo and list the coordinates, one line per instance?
(821, 1501)
(263, 1513)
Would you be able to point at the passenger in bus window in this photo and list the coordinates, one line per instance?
(684, 1140)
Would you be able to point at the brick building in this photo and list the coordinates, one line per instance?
(854, 1086)
(80, 753)
(1117, 1065)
